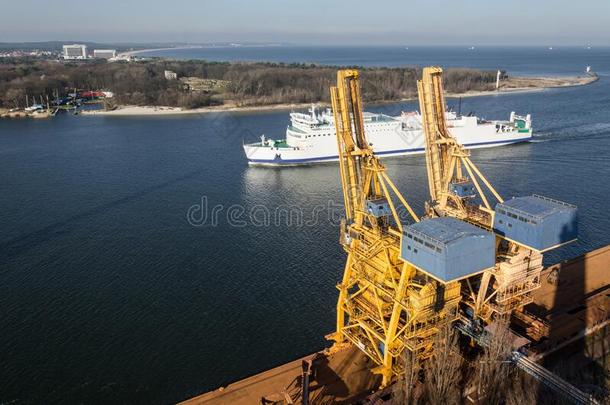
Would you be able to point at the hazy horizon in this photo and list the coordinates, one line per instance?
(246, 44)
(395, 23)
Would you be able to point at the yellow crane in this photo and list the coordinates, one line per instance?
(524, 226)
(402, 280)
(386, 305)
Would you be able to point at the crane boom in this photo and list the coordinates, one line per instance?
(350, 138)
(437, 137)
(451, 192)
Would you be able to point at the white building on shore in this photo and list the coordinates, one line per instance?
(169, 75)
(104, 53)
(75, 51)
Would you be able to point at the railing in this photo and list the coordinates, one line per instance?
(552, 381)
(553, 200)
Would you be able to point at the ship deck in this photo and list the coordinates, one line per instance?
(342, 377)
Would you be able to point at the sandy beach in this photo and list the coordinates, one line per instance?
(514, 85)
(510, 86)
(133, 110)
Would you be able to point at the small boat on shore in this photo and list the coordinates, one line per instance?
(47, 113)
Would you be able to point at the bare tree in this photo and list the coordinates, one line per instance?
(406, 388)
(522, 389)
(492, 368)
(443, 371)
(249, 83)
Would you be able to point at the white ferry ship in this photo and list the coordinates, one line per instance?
(310, 138)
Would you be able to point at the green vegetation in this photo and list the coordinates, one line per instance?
(144, 83)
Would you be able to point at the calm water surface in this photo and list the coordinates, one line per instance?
(109, 294)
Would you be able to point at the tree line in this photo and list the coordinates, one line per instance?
(144, 83)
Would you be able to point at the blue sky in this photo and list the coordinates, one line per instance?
(355, 22)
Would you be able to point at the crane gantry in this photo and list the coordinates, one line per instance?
(402, 281)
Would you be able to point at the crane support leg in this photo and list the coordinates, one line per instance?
(392, 327)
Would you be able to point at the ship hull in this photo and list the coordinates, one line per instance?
(408, 143)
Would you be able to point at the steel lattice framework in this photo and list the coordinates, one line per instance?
(385, 304)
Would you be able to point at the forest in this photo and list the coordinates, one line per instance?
(244, 84)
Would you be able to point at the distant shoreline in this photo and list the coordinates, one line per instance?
(139, 51)
(514, 85)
